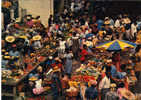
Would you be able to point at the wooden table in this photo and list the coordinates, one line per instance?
(9, 88)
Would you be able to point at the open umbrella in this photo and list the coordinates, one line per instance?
(116, 45)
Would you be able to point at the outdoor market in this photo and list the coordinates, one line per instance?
(78, 56)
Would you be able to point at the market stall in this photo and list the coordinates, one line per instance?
(11, 83)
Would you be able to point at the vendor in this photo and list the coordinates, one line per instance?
(83, 53)
(68, 63)
(104, 84)
(125, 94)
(75, 45)
(14, 52)
(91, 92)
(65, 83)
(4, 62)
(40, 73)
(50, 62)
(112, 94)
(56, 85)
(37, 42)
(113, 70)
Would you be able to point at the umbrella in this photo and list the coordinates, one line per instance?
(116, 45)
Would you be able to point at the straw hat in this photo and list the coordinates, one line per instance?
(23, 37)
(37, 37)
(106, 18)
(3, 50)
(17, 20)
(33, 78)
(127, 20)
(28, 17)
(113, 85)
(109, 61)
(50, 57)
(7, 57)
(107, 22)
(57, 59)
(6, 53)
(10, 39)
(47, 46)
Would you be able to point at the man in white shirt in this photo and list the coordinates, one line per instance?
(133, 30)
(117, 23)
(104, 85)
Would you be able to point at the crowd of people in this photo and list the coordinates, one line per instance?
(68, 43)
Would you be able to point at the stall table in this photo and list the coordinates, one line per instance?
(9, 87)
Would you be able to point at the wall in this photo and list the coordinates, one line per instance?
(43, 8)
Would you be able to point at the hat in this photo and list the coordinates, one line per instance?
(37, 37)
(7, 57)
(107, 22)
(17, 20)
(10, 39)
(94, 36)
(47, 46)
(3, 50)
(50, 57)
(77, 35)
(39, 68)
(33, 78)
(109, 61)
(23, 37)
(129, 67)
(28, 17)
(51, 51)
(113, 85)
(106, 18)
(57, 59)
(127, 20)
(6, 53)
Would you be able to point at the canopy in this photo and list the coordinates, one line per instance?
(116, 45)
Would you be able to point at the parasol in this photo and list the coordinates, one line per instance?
(116, 45)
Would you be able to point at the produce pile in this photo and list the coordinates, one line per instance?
(85, 73)
(11, 76)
